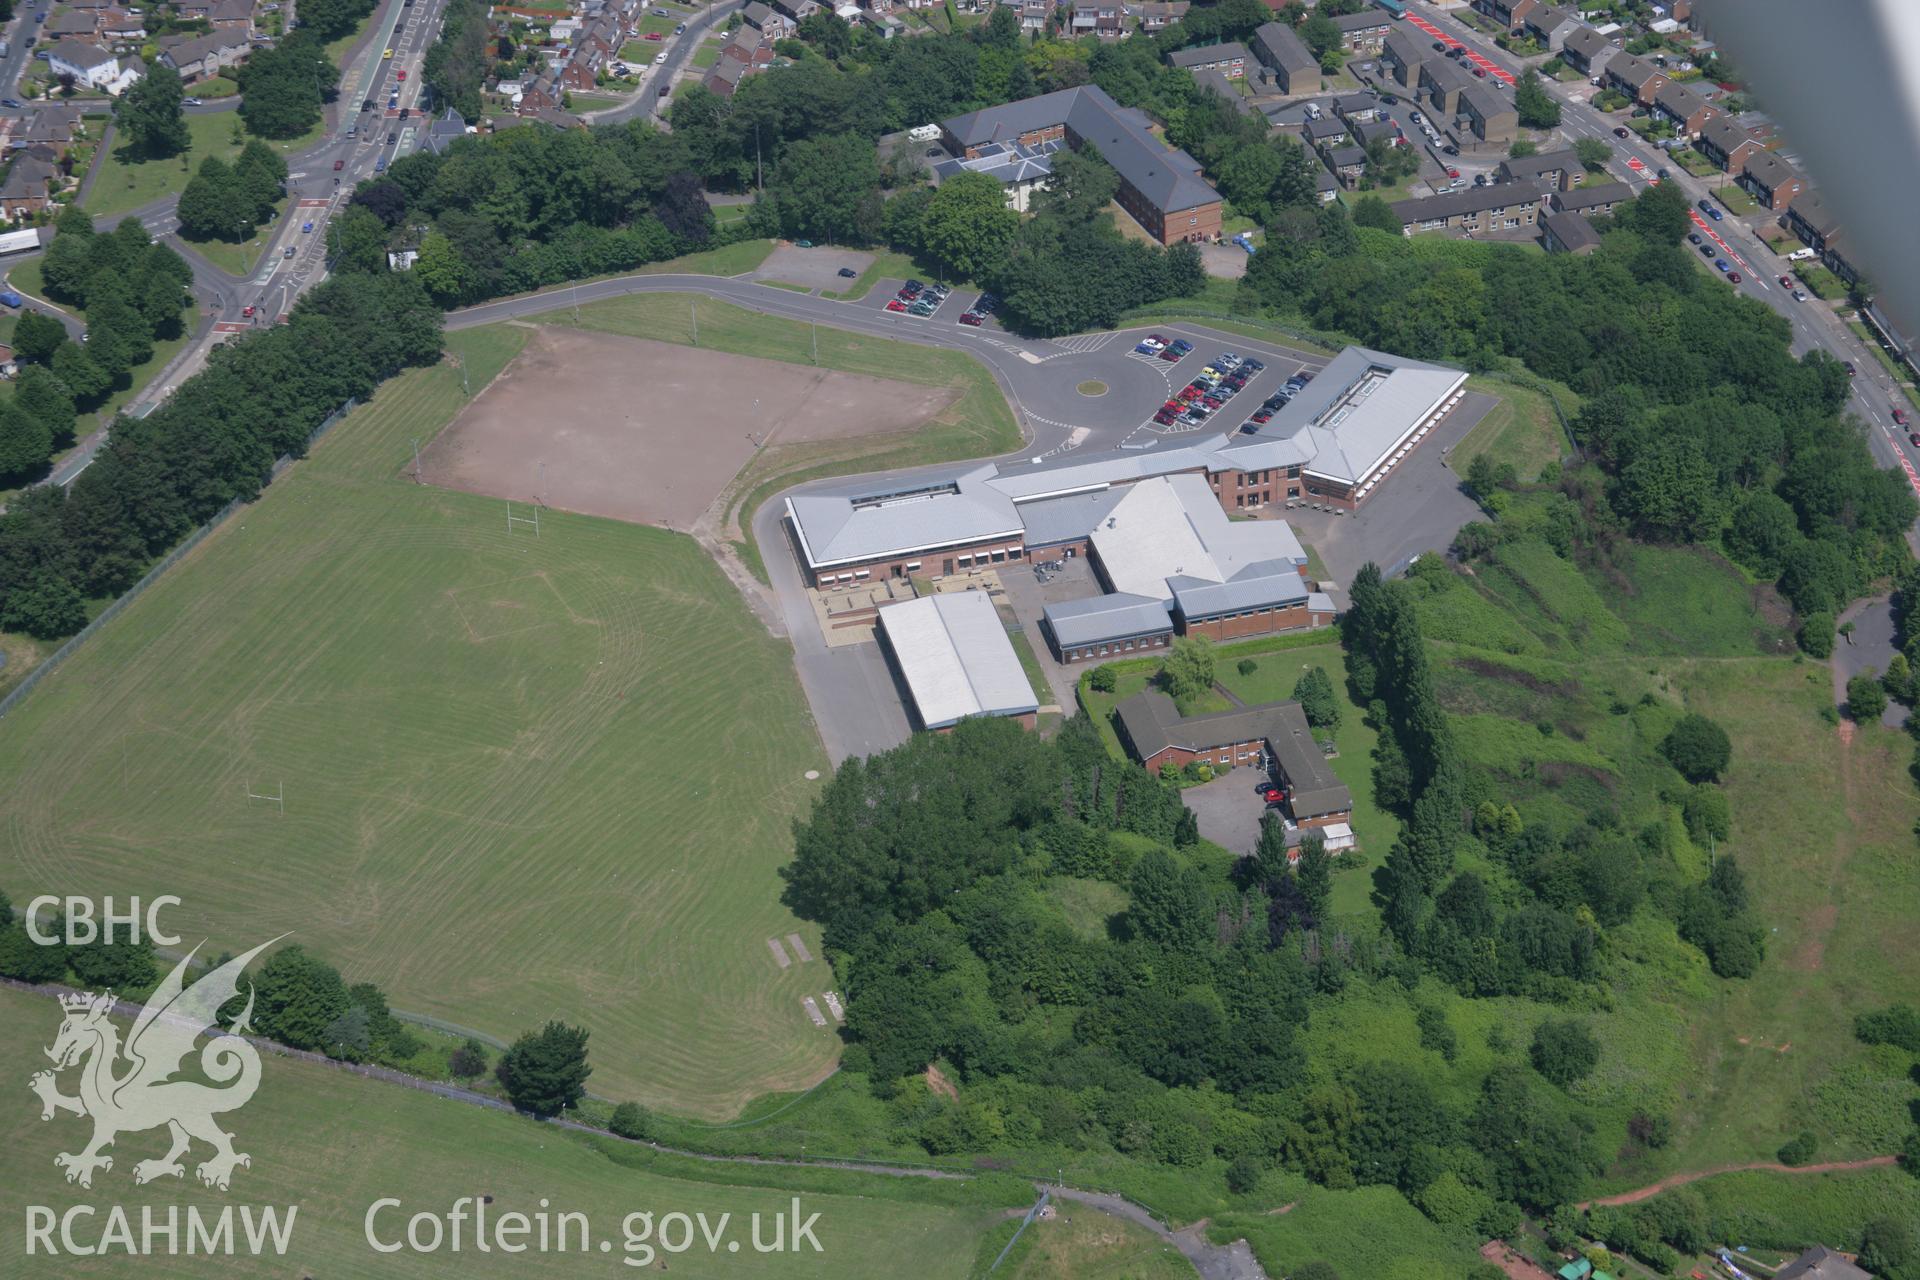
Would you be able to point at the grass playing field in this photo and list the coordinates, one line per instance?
(332, 1144)
(525, 777)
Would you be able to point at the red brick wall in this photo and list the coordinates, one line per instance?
(1107, 652)
(931, 563)
(1287, 618)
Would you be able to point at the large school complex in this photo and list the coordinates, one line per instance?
(1158, 525)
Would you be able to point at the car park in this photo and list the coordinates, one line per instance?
(972, 318)
(848, 273)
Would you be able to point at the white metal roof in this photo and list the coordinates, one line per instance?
(1173, 527)
(955, 656)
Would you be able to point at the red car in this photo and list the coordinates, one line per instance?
(1913, 438)
(1275, 795)
(894, 304)
(1163, 418)
(247, 311)
(1453, 173)
(400, 75)
(338, 165)
(1850, 369)
(1170, 356)
(1733, 277)
(653, 35)
(1265, 415)
(1786, 282)
(1900, 416)
(969, 318)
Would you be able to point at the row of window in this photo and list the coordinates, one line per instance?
(1116, 647)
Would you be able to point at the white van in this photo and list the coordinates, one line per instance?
(1801, 255)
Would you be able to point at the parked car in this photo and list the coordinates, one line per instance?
(1799, 295)
(1913, 438)
(10, 103)
(401, 75)
(1693, 237)
(1720, 264)
(654, 36)
(848, 273)
(1663, 175)
(972, 318)
(1164, 418)
(894, 304)
(680, 30)
(1851, 371)
(1733, 276)
(1706, 250)
(1451, 150)
(9, 298)
(1621, 131)
(1900, 416)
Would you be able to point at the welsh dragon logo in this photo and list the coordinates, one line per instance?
(127, 1088)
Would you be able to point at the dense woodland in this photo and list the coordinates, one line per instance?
(1176, 1037)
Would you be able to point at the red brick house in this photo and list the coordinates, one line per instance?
(1272, 736)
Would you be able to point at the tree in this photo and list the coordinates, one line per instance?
(1523, 147)
(1593, 154)
(1888, 1247)
(1188, 667)
(829, 188)
(442, 270)
(1102, 680)
(468, 1061)
(1314, 872)
(631, 1120)
(123, 965)
(296, 998)
(82, 376)
(148, 115)
(1371, 211)
(1799, 1149)
(1816, 635)
(282, 87)
(216, 205)
(1321, 36)
(1244, 1173)
(1707, 813)
(36, 336)
(25, 443)
(682, 209)
(1564, 1051)
(1318, 702)
(357, 241)
(1535, 107)
(967, 227)
(545, 1072)
(1698, 748)
(1866, 697)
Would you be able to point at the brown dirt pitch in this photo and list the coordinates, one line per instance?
(650, 432)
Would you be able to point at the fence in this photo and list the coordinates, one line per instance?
(152, 575)
(1032, 1213)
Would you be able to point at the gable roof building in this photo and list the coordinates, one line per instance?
(953, 654)
(1155, 732)
(1686, 108)
(1820, 1263)
(1230, 58)
(1588, 52)
(1160, 186)
(1728, 143)
(1402, 56)
(1568, 233)
(1281, 51)
(1365, 31)
(1561, 169)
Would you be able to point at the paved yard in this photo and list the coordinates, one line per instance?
(815, 268)
(1229, 809)
(1029, 598)
(1224, 261)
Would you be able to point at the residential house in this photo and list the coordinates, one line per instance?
(231, 15)
(119, 24)
(1568, 233)
(1357, 108)
(1160, 187)
(1508, 13)
(1324, 132)
(1281, 51)
(745, 45)
(1809, 218)
(94, 66)
(197, 57)
(1601, 197)
(1550, 25)
(725, 76)
(1384, 131)
(1634, 76)
(69, 24)
(542, 93)
(796, 11)
(1104, 18)
(1820, 1263)
(1364, 32)
(1349, 163)
(1561, 170)
(1441, 82)
(1588, 52)
(1772, 181)
(1684, 108)
(1472, 211)
(1326, 187)
(1228, 59)
(1487, 118)
(51, 125)
(1728, 143)
(1402, 57)
(447, 128)
(1034, 14)
(770, 24)
(27, 188)
(1158, 15)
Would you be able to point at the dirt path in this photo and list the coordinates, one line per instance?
(1673, 1180)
